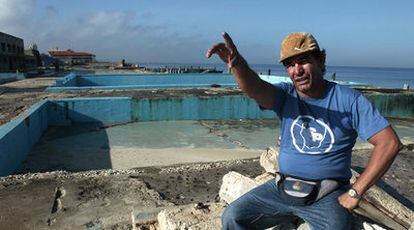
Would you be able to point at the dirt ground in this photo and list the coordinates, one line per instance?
(105, 199)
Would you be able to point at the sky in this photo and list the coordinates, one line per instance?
(374, 33)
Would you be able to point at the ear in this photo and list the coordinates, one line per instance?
(320, 60)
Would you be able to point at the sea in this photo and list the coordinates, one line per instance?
(374, 76)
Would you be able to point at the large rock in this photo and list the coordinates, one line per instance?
(235, 185)
(378, 205)
(268, 159)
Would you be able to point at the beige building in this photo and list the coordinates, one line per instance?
(72, 57)
(11, 53)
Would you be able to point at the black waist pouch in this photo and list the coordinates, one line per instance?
(295, 191)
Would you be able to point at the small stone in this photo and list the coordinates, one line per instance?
(57, 206)
(51, 221)
(200, 205)
(61, 192)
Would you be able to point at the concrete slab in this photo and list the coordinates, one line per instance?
(141, 144)
(80, 148)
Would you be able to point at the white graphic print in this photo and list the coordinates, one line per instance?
(311, 136)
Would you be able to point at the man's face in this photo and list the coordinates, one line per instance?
(305, 71)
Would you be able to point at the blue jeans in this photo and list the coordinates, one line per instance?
(263, 208)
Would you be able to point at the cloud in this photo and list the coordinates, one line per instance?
(14, 14)
(111, 35)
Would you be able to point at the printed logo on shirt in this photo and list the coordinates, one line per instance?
(311, 136)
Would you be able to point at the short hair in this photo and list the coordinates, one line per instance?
(320, 55)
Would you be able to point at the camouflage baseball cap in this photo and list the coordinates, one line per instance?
(297, 43)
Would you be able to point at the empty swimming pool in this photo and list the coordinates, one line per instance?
(137, 81)
(108, 132)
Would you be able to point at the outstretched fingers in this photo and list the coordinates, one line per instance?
(215, 49)
(226, 51)
(229, 43)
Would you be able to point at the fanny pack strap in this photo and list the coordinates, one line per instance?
(327, 186)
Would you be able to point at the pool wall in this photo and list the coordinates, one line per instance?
(69, 80)
(19, 135)
(198, 108)
(89, 110)
(393, 105)
(126, 109)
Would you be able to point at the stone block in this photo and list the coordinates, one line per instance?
(261, 179)
(268, 159)
(192, 217)
(378, 205)
(235, 185)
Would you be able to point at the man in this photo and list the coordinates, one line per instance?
(320, 121)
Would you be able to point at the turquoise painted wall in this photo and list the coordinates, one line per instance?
(19, 135)
(90, 110)
(68, 80)
(393, 105)
(197, 108)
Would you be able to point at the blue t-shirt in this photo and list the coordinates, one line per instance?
(317, 135)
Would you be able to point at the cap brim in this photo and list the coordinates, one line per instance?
(295, 54)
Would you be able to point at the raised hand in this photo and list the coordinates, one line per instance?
(227, 51)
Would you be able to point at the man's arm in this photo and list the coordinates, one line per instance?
(386, 146)
(248, 80)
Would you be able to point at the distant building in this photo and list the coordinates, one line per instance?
(72, 57)
(32, 59)
(11, 53)
(47, 60)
